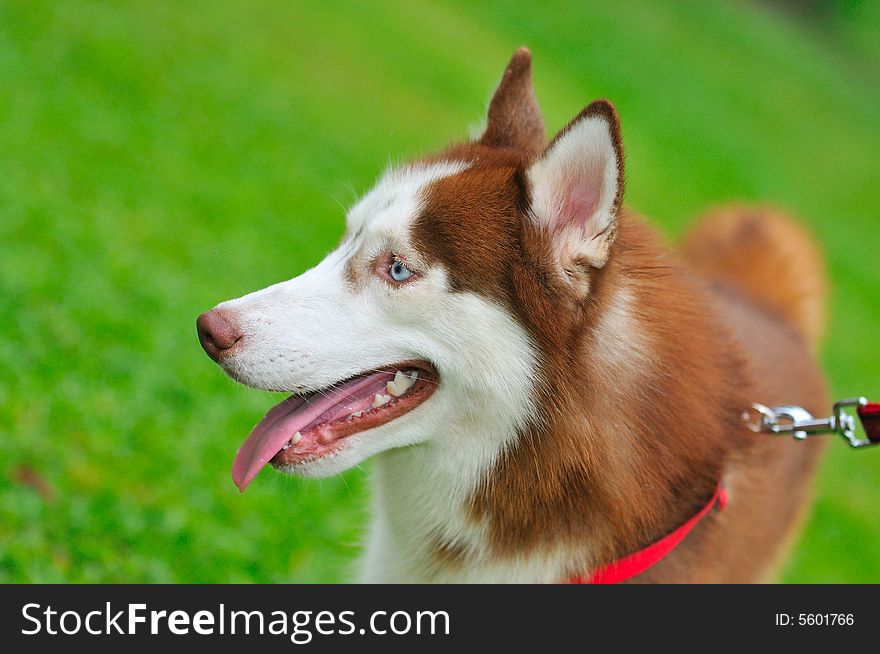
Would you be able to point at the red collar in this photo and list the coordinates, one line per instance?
(636, 563)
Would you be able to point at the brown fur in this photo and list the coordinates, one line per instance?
(514, 119)
(629, 446)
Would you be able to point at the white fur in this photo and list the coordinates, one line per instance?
(624, 347)
(394, 202)
(311, 331)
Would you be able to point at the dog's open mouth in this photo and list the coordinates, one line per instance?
(307, 427)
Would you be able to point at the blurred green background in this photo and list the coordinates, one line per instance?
(158, 157)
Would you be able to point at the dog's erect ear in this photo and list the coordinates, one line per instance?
(577, 188)
(514, 119)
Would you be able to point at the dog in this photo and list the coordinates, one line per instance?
(544, 386)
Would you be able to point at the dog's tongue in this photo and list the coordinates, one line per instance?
(298, 414)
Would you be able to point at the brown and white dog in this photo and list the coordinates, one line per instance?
(543, 385)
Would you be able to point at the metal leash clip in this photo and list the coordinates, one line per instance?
(800, 423)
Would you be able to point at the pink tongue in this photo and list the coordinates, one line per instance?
(298, 414)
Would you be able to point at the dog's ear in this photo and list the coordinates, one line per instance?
(577, 188)
(514, 119)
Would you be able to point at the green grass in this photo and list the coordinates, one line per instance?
(158, 157)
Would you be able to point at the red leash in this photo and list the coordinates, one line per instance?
(636, 563)
(869, 414)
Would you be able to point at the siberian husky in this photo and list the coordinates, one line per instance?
(545, 388)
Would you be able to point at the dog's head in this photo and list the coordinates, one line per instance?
(457, 276)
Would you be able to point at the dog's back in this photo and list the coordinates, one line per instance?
(767, 282)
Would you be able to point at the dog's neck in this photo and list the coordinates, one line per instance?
(597, 475)
(422, 527)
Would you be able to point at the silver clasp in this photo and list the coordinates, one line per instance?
(800, 423)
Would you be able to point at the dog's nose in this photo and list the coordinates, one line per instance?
(219, 333)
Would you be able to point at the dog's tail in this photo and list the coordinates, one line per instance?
(766, 255)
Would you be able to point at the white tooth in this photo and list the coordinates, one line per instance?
(400, 385)
(413, 376)
(380, 399)
(286, 446)
(357, 414)
(297, 437)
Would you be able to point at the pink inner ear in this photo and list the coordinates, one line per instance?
(580, 201)
(581, 204)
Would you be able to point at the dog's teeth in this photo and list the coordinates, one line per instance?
(401, 380)
(286, 446)
(357, 414)
(297, 437)
(400, 385)
(380, 400)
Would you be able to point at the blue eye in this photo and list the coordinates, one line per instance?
(399, 272)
